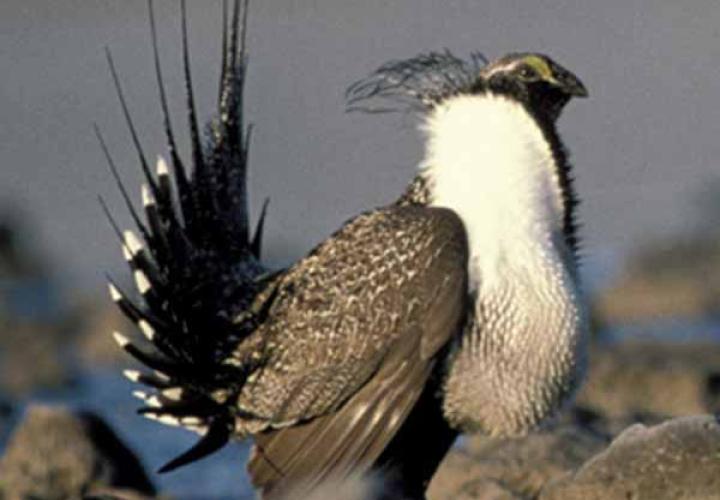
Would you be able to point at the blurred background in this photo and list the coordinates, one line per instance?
(645, 149)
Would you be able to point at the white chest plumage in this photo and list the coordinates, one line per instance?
(521, 354)
(489, 162)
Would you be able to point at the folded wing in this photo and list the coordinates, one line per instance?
(352, 340)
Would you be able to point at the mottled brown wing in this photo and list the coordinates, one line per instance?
(355, 332)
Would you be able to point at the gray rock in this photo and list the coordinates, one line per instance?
(31, 358)
(676, 460)
(486, 468)
(108, 493)
(485, 489)
(662, 378)
(57, 454)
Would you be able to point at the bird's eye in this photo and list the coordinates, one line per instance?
(528, 73)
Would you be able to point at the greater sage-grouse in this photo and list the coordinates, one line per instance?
(455, 308)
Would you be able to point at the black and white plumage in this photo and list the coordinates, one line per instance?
(455, 308)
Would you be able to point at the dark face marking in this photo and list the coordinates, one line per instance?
(537, 81)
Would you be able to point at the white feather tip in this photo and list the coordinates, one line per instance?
(141, 281)
(115, 294)
(161, 166)
(173, 394)
(147, 196)
(132, 375)
(132, 242)
(121, 339)
(147, 330)
(140, 395)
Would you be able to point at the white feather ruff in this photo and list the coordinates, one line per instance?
(488, 161)
(522, 356)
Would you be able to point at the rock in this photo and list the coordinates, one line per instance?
(610, 427)
(31, 358)
(486, 468)
(668, 277)
(678, 459)
(462, 476)
(663, 378)
(57, 454)
(103, 493)
(485, 489)
(638, 298)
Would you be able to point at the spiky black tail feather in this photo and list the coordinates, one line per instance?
(196, 266)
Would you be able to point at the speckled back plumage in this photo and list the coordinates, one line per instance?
(418, 192)
(337, 311)
(375, 302)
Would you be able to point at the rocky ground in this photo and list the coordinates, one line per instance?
(678, 458)
(642, 429)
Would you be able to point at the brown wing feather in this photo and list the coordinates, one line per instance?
(350, 439)
(290, 462)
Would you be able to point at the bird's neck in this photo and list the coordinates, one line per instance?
(521, 354)
(489, 160)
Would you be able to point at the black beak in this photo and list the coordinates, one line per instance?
(569, 83)
(575, 88)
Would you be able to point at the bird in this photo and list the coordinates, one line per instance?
(454, 308)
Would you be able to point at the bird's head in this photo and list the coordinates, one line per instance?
(534, 79)
(423, 82)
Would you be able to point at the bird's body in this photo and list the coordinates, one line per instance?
(516, 353)
(455, 308)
